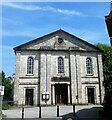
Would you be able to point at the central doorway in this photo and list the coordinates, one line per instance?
(61, 94)
(91, 95)
(29, 97)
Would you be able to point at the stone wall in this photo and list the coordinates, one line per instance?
(47, 63)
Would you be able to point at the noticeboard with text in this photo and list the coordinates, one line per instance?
(45, 96)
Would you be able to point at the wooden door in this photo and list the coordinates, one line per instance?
(29, 96)
(91, 95)
(61, 94)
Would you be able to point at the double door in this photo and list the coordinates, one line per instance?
(61, 94)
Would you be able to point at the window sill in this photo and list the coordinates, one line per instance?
(29, 74)
(61, 74)
(89, 74)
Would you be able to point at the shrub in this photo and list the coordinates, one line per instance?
(6, 107)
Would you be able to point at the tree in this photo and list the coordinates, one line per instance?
(107, 69)
(8, 87)
(107, 58)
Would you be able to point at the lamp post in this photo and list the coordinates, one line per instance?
(0, 98)
(0, 105)
(1, 94)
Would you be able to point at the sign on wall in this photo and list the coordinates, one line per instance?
(1, 90)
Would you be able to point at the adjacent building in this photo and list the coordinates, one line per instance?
(58, 68)
(108, 20)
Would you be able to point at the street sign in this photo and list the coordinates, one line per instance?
(1, 90)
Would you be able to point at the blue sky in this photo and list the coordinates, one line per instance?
(25, 21)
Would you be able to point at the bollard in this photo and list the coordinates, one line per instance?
(57, 111)
(22, 112)
(39, 111)
(73, 110)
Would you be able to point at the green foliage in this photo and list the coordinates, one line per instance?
(8, 87)
(107, 58)
(6, 107)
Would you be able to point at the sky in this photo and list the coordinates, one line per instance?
(25, 21)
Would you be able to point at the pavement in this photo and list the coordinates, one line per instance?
(82, 112)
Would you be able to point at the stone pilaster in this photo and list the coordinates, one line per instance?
(16, 81)
(79, 84)
(73, 77)
(101, 78)
(53, 94)
(48, 76)
(68, 94)
(42, 75)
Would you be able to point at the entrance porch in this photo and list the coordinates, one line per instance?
(60, 94)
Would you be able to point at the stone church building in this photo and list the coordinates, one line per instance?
(58, 68)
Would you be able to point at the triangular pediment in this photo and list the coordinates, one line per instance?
(59, 39)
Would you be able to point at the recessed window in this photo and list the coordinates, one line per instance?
(60, 65)
(89, 66)
(30, 64)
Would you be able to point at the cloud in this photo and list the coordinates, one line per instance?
(69, 12)
(46, 8)
(17, 33)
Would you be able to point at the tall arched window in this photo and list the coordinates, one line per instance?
(89, 66)
(60, 65)
(30, 64)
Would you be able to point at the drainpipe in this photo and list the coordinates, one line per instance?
(70, 79)
(76, 80)
(39, 78)
(46, 75)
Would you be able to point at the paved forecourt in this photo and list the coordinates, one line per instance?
(82, 111)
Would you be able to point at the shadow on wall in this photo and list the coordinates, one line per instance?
(86, 114)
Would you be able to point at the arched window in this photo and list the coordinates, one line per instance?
(89, 66)
(60, 65)
(30, 64)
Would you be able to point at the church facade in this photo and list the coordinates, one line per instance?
(58, 68)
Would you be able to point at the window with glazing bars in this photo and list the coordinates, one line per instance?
(89, 66)
(30, 63)
(60, 65)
